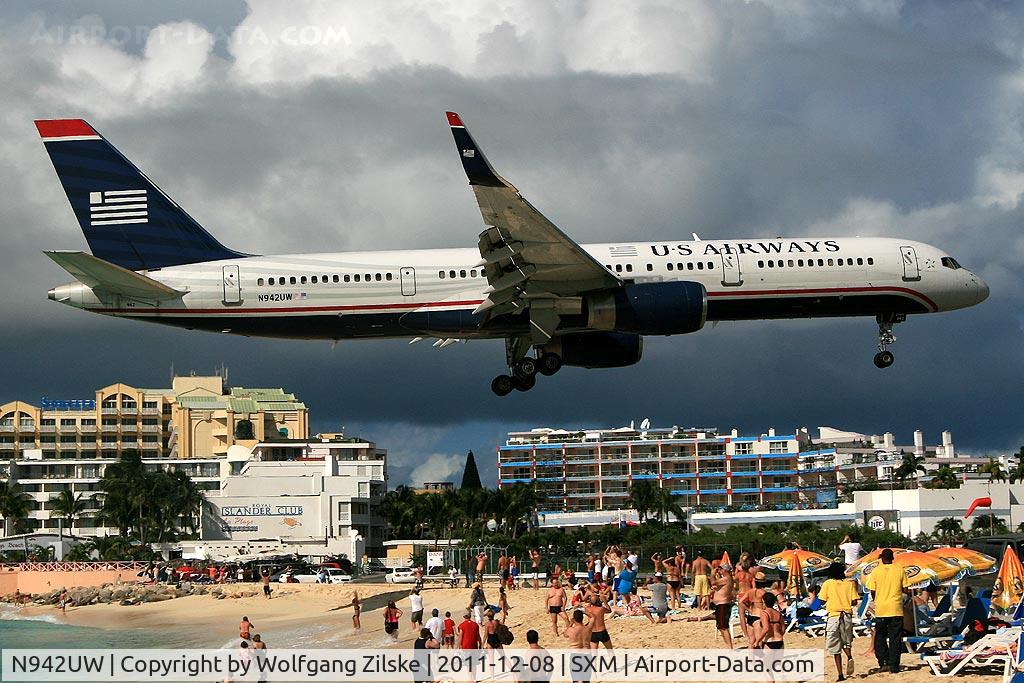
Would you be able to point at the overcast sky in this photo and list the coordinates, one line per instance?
(319, 126)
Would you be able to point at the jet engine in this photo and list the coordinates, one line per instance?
(648, 308)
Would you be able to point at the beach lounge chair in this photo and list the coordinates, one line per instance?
(994, 649)
(945, 635)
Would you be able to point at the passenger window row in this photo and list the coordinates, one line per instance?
(459, 273)
(810, 263)
(325, 279)
(692, 265)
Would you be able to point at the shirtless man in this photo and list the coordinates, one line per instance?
(591, 561)
(578, 635)
(535, 567)
(356, 609)
(481, 560)
(751, 605)
(598, 632)
(772, 627)
(503, 569)
(701, 581)
(556, 605)
(721, 581)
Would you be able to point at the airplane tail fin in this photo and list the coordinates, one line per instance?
(126, 218)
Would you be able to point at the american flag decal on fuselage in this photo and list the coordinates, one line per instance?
(626, 251)
(115, 207)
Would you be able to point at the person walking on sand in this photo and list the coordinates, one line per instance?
(535, 567)
(493, 641)
(448, 631)
(751, 604)
(265, 578)
(469, 633)
(513, 572)
(416, 608)
(502, 569)
(887, 584)
(477, 603)
(701, 580)
(556, 605)
(244, 628)
(435, 624)
(839, 595)
(356, 608)
(392, 615)
(503, 603)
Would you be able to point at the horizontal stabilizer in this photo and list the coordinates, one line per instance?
(102, 276)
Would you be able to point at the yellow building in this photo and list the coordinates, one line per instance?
(198, 417)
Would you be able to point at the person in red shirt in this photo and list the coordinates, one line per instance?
(448, 631)
(469, 633)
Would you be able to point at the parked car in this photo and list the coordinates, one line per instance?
(334, 575)
(400, 575)
(375, 566)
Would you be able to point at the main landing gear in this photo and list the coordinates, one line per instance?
(523, 373)
(884, 358)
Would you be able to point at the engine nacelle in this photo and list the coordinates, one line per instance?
(598, 349)
(648, 308)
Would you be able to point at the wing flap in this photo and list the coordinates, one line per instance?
(104, 276)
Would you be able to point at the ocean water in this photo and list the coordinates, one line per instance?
(46, 631)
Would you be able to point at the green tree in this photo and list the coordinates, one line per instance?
(947, 530)
(911, 466)
(14, 506)
(994, 469)
(944, 478)
(470, 475)
(1016, 473)
(400, 510)
(987, 524)
(644, 498)
(69, 507)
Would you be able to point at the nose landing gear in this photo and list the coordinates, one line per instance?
(884, 358)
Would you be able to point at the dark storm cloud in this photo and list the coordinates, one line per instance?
(799, 120)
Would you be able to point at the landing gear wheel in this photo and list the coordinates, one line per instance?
(526, 368)
(524, 383)
(884, 359)
(549, 363)
(502, 385)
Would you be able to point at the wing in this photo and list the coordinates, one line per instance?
(530, 264)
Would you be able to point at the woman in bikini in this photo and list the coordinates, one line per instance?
(392, 615)
(772, 626)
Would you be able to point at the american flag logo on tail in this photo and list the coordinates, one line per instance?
(115, 207)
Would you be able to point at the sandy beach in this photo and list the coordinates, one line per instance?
(308, 616)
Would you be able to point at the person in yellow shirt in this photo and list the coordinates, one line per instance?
(887, 583)
(839, 595)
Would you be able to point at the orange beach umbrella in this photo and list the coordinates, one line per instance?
(971, 560)
(1009, 587)
(808, 560)
(919, 568)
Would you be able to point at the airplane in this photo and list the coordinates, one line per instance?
(555, 302)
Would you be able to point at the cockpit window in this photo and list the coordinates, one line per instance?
(950, 262)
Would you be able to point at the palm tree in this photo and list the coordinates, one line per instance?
(989, 524)
(667, 504)
(433, 511)
(944, 478)
(14, 505)
(399, 509)
(911, 466)
(948, 529)
(644, 498)
(994, 469)
(69, 507)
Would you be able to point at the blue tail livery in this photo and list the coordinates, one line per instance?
(126, 218)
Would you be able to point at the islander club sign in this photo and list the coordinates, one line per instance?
(240, 518)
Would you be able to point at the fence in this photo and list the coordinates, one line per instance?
(76, 566)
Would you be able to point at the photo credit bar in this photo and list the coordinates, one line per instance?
(374, 665)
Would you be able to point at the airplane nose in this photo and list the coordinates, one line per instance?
(982, 288)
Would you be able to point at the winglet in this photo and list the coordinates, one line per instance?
(478, 169)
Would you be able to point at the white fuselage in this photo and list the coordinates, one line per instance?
(434, 291)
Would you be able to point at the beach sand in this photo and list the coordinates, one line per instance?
(302, 615)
